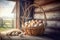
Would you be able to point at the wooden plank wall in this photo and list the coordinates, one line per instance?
(52, 11)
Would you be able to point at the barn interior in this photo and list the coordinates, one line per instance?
(29, 19)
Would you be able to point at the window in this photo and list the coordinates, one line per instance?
(7, 14)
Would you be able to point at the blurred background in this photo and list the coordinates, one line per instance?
(11, 12)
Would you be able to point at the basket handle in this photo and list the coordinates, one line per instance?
(40, 8)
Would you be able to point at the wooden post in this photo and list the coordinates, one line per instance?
(17, 14)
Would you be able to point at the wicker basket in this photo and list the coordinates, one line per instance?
(35, 30)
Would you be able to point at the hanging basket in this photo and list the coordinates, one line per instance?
(39, 30)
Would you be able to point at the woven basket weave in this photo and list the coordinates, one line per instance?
(35, 30)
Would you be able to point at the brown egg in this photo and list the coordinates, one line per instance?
(29, 25)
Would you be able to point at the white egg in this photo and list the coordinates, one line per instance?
(35, 25)
(40, 24)
(29, 21)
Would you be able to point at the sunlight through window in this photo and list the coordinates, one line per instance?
(7, 16)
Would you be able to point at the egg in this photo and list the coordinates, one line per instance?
(40, 21)
(35, 25)
(36, 21)
(40, 24)
(28, 25)
(29, 21)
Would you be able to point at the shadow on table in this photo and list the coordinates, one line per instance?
(54, 35)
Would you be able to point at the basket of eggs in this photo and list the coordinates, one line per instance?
(34, 27)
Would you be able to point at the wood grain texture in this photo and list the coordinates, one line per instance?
(52, 11)
(55, 6)
(42, 2)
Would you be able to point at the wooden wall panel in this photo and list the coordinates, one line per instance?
(52, 11)
(49, 7)
(43, 2)
(53, 23)
(49, 15)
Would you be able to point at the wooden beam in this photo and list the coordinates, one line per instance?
(50, 19)
(43, 2)
(48, 11)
